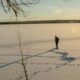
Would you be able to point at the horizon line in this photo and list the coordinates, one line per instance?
(40, 22)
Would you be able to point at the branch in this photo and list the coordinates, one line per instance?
(16, 5)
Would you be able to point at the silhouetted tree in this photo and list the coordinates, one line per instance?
(16, 5)
(21, 52)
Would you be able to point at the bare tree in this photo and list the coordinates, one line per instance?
(21, 52)
(16, 5)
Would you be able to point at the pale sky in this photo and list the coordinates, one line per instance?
(47, 10)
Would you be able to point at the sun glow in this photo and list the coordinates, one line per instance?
(74, 29)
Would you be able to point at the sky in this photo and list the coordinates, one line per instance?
(47, 10)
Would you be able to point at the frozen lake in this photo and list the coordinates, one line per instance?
(39, 39)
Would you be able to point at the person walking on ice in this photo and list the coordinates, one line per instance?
(56, 42)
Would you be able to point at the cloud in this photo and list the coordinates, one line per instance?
(57, 11)
(46, 6)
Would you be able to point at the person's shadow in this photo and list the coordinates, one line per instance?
(65, 57)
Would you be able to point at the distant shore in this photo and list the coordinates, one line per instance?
(40, 22)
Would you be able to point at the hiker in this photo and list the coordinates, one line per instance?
(56, 42)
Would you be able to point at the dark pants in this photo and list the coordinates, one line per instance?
(56, 44)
